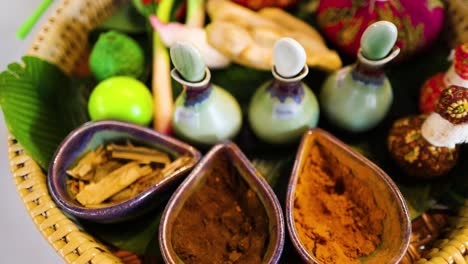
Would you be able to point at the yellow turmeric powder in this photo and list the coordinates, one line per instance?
(335, 215)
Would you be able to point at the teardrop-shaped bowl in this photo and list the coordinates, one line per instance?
(198, 177)
(396, 228)
(93, 134)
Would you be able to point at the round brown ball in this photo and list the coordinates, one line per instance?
(415, 154)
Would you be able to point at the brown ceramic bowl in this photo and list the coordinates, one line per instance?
(92, 134)
(198, 176)
(396, 224)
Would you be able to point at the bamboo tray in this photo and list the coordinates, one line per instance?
(57, 43)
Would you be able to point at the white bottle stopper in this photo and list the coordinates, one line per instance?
(289, 57)
(188, 61)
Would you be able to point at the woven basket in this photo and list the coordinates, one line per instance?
(457, 21)
(60, 42)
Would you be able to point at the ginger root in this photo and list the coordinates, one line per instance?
(247, 37)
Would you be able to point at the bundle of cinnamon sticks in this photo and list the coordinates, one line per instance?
(115, 173)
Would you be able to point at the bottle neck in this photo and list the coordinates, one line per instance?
(371, 72)
(283, 90)
(369, 75)
(194, 93)
(197, 95)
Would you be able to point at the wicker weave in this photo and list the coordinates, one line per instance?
(424, 231)
(63, 38)
(60, 41)
(453, 248)
(457, 21)
(74, 245)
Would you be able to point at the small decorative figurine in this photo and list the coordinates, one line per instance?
(418, 22)
(456, 75)
(427, 147)
(358, 97)
(204, 113)
(448, 125)
(283, 109)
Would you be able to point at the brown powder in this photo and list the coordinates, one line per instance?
(336, 216)
(222, 222)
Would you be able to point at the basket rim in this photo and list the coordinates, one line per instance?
(67, 239)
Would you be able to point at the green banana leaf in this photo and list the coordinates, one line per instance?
(134, 236)
(41, 106)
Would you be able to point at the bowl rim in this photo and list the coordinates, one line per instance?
(120, 210)
(393, 188)
(266, 190)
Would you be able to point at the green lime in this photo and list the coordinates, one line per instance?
(116, 54)
(121, 98)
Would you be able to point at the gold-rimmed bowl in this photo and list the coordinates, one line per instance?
(396, 223)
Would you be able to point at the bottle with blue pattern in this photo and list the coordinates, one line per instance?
(204, 114)
(282, 109)
(357, 97)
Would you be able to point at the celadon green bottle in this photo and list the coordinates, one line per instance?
(357, 97)
(281, 110)
(204, 114)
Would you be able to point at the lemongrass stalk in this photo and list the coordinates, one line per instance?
(26, 27)
(161, 83)
(195, 13)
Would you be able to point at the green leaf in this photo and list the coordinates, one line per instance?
(144, 9)
(41, 106)
(273, 169)
(364, 149)
(127, 20)
(240, 81)
(73, 102)
(134, 235)
(418, 199)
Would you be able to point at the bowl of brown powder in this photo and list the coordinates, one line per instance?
(341, 208)
(224, 212)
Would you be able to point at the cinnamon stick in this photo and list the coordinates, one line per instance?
(96, 193)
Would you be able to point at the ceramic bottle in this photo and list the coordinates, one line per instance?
(457, 74)
(204, 113)
(282, 109)
(357, 97)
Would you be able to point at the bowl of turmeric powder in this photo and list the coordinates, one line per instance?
(111, 171)
(342, 208)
